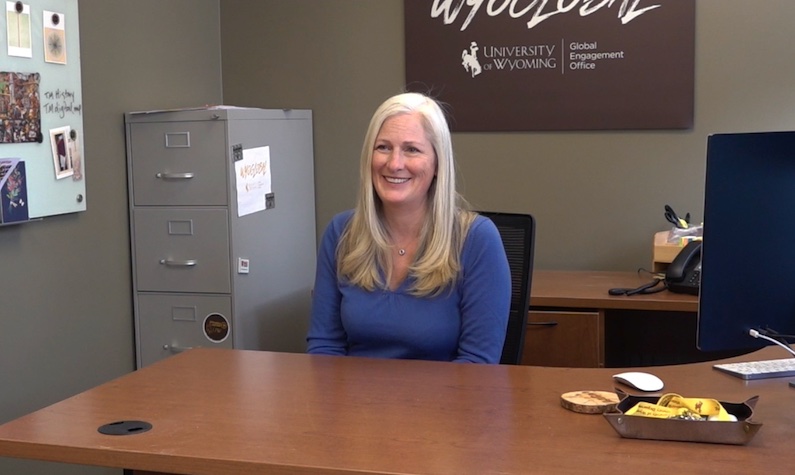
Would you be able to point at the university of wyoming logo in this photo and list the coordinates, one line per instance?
(469, 59)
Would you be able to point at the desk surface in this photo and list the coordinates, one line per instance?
(588, 289)
(222, 412)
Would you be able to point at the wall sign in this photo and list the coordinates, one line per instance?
(523, 65)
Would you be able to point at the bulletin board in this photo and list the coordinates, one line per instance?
(42, 164)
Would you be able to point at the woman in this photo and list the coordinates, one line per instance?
(410, 272)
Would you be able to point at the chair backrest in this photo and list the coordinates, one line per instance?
(518, 236)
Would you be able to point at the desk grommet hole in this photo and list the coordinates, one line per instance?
(124, 428)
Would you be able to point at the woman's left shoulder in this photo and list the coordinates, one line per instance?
(483, 244)
(482, 226)
(482, 232)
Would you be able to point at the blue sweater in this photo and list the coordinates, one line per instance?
(467, 324)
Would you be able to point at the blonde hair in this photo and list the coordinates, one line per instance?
(364, 246)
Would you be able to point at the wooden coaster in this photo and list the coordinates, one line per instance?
(589, 402)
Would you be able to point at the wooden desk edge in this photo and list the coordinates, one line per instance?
(614, 302)
(146, 463)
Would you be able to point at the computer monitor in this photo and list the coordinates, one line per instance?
(748, 254)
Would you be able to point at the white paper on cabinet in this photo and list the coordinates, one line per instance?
(253, 176)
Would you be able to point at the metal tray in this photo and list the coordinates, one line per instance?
(639, 427)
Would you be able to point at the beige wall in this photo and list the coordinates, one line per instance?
(598, 196)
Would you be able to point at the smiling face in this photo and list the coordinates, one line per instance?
(403, 163)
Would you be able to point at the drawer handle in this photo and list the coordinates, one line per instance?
(177, 349)
(175, 176)
(172, 262)
(543, 324)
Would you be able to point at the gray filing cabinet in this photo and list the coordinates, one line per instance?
(202, 274)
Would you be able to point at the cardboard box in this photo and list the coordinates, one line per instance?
(13, 191)
(664, 251)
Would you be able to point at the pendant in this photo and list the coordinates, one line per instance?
(401, 252)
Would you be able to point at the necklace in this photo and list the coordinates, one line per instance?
(401, 252)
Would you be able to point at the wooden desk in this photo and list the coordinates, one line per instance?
(588, 289)
(594, 329)
(220, 412)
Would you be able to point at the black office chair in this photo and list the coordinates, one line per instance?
(518, 235)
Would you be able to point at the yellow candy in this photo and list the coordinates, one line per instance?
(673, 405)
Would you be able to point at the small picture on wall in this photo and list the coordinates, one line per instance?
(54, 38)
(19, 37)
(62, 161)
(20, 108)
(75, 155)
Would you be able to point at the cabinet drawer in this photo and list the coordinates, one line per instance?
(181, 250)
(564, 338)
(169, 324)
(176, 164)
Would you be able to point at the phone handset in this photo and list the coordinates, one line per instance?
(684, 273)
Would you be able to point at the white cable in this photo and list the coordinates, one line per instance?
(756, 334)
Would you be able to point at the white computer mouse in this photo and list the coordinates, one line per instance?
(640, 380)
